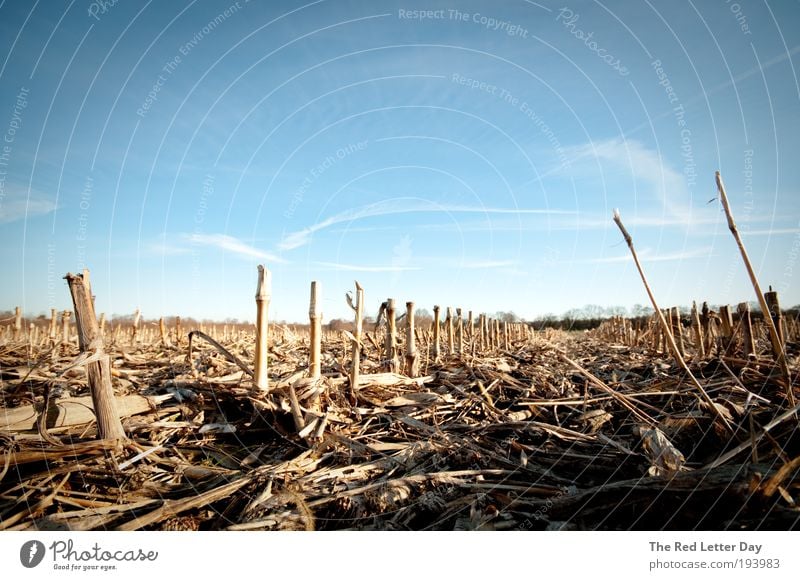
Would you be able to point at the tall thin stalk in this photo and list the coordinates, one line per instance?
(263, 296)
(358, 310)
(666, 327)
(437, 328)
(412, 357)
(774, 335)
(315, 320)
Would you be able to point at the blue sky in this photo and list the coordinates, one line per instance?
(470, 156)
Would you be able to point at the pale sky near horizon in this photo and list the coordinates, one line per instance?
(467, 153)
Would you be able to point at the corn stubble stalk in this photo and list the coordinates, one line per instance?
(53, 326)
(775, 313)
(412, 357)
(65, 316)
(471, 335)
(17, 322)
(697, 329)
(774, 335)
(666, 327)
(315, 339)
(98, 371)
(437, 352)
(135, 332)
(178, 330)
(450, 338)
(390, 344)
(263, 296)
(358, 310)
(749, 345)
(315, 331)
(162, 328)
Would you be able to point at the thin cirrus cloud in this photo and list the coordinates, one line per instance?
(359, 268)
(18, 205)
(402, 268)
(302, 237)
(644, 165)
(223, 242)
(488, 265)
(647, 255)
(775, 232)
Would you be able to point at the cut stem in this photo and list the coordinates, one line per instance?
(315, 318)
(98, 371)
(774, 335)
(412, 359)
(666, 328)
(263, 295)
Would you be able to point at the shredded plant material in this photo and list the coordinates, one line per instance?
(553, 431)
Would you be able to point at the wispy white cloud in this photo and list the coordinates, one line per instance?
(644, 165)
(488, 265)
(183, 243)
(647, 255)
(359, 268)
(233, 245)
(165, 248)
(17, 204)
(775, 232)
(302, 237)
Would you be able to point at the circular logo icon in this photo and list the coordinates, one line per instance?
(31, 553)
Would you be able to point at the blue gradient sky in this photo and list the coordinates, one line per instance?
(470, 156)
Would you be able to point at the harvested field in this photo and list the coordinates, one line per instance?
(510, 430)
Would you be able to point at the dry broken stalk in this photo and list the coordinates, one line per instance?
(774, 335)
(775, 313)
(162, 328)
(749, 345)
(698, 332)
(315, 319)
(390, 344)
(436, 334)
(65, 316)
(358, 309)
(263, 295)
(53, 325)
(412, 359)
(450, 337)
(666, 327)
(98, 371)
(135, 332)
(471, 335)
(460, 332)
(17, 322)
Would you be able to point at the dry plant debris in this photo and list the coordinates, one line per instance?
(553, 430)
